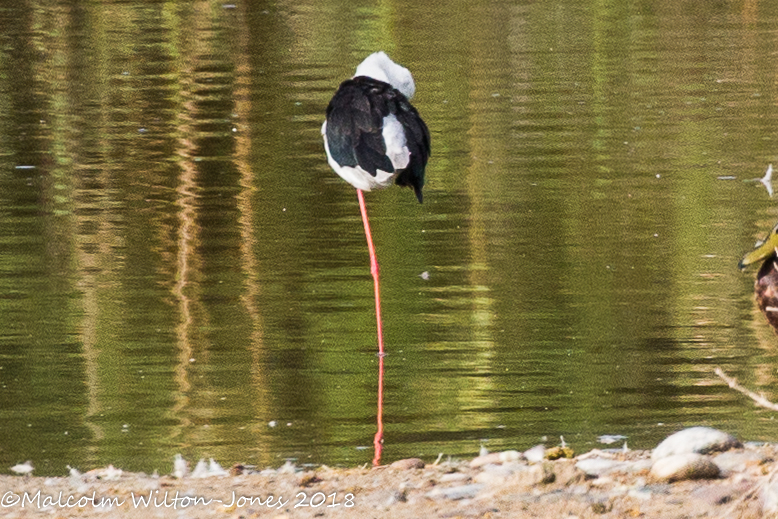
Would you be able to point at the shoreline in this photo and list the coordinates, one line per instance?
(599, 483)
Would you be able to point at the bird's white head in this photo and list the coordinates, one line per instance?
(379, 66)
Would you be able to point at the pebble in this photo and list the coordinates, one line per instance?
(738, 460)
(494, 474)
(510, 456)
(460, 492)
(719, 494)
(180, 467)
(407, 464)
(454, 477)
(200, 470)
(610, 438)
(598, 466)
(24, 469)
(700, 440)
(214, 469)
(769, 497)
(555, 453)
(532, 475)
(109, 473)
(495, 458)
(536, 454)
(688, 465)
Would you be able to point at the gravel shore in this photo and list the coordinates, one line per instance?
(738, 482)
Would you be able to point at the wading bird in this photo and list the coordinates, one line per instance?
(373, 136)
(766, 285)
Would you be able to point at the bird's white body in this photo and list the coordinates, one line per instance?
(396, 149)
(356, 176)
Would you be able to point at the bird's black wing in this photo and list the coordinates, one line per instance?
(417, 137)
(355, 119)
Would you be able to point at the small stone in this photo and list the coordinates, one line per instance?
(287, 468)
(460, 492)
(538, 474)
(200, 470)
(535, 454)
(607, 439)
(23, 469)
(555, 453)
(719, 495)
(700, 440)
(597, 466)
(643, 494)
(493, 474)
(493, 458)
(454, 477)
(738, 460)
(400, 496)
(180, 467)
(407, 464)
(214, 469)
(769, 497)
(510, 456)
(496, 458)
(684, 466)
(307, 479)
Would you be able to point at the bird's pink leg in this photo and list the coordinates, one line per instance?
(373, 271)
(378, 440)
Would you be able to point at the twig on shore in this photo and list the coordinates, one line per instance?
(758, 399)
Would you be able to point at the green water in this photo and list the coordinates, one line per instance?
(181, 272)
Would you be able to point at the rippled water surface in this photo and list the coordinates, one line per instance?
(181, 272)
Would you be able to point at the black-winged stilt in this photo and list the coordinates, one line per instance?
(373, 136)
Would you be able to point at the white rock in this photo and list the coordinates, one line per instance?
(454, 477)
(23, 468)
(214, 469)
(201, 470)
(460, 492)
(408, 464)
(684, 466)
(510, 456)
(111, 473)
(597, 466)
(738, 460)
(493, 474)
(180, 467)
(610, 438)
(496, 458)
(535, 454)
(492, 458)
(700, 440)
(770, 497)
(287, 468)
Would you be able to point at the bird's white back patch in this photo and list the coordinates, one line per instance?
(396, 145)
